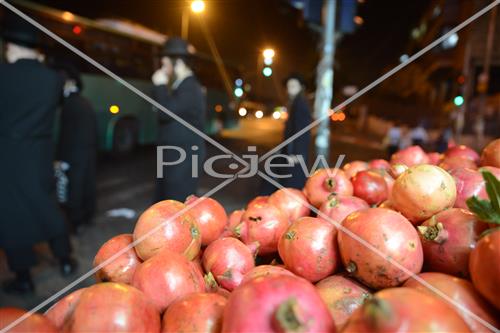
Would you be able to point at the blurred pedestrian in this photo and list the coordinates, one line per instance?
(178, 90)
(445, 139)
(419, 135)
(77, 147)
(29, 94)
(297, 150)
(393, 138)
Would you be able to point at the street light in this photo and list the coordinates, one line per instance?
(198, 6)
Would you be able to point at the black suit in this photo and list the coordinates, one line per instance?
(77, 146)
(188, 102)
(29, 94)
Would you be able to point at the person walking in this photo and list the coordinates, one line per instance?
(297, 149)
(29, 94)
(393, 139)
(177, 89)
(77, 148)
(419, 135)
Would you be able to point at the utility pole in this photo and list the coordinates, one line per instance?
(324, 80)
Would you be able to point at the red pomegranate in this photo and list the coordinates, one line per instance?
(228, 259)
(233, 222)
(35, 323)
(380, 164)
(166, 277)
(199, 312)
(491, 154)
(352, 168)
(448, 238)
(405, 310)
(397, 169)
(276, 303)
(261, 228)
(337, 208)
(410, 156)
(265, 270)
(484, 268)
(291, 202)
(468, 183)
(324, 183)
(434, 158)
(60, 312)
(343, 296)
(392, 235)
(463, 152)
(308, 248)
(462, 292)
(258, 200)
(422, 191)
(122, 268)
(164, 228)
(454, 162)
(210, 215)
(370, 186)
(113, 307)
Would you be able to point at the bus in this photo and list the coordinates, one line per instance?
(131, 51)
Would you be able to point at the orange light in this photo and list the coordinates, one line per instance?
(77, 30)
(358, 20)
(341, 116)
(338, 116)
(218, 108)
(114, 109)
(67, 16)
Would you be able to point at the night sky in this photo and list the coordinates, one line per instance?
(242, 28)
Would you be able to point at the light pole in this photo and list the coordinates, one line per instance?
(197, 7)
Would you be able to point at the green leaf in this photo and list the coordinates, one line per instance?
(493, 189)
(483, 209)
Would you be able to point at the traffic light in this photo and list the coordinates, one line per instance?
(268, 56)
(267, 71)
(458, 100)
(238, 90)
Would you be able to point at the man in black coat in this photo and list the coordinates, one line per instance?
(178, 90)
(29, 94)
(299, 116)
(77, 147)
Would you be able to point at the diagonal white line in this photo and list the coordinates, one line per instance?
(121, 81)
(119, 253)
(383, 78)
(372, 248)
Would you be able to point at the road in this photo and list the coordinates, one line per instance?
(128, 182)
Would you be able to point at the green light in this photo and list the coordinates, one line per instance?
(238, 92)
(458, 100)
(267, 71)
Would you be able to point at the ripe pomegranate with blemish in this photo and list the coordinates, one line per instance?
(276, 303)
(454, 162)
(166, 277)
(210, 215)
(228, 259)
(233, 221)
(422, 191)
(291, 202)
(113, 307)
(490, 155)
(370, 186)
(122, 268)
(164, 226)
(261, 228)
(324, 183)
(379, 164)
(434, 158)
(405, 310)
(448, 238)
(265, 270)
(410, 156)
(343, 296)
(462, 151)
(338, 207)
(308, 248)
(484, 268)
(35, 323)
(60, 312)
(462, 292)
(392, 235)
(198, 312)
(352, 168)
(468, 183)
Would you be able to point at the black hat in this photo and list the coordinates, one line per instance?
(18, 31)
(295, 76)
(176, 46)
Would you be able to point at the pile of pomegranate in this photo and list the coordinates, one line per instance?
(406, 245)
